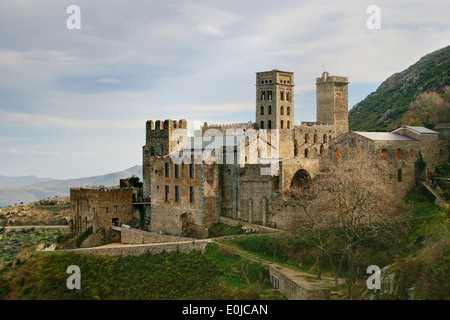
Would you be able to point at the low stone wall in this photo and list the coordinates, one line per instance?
(254, 227)
(137, 250)
(135, 236)
(293, 288)
(432, 195)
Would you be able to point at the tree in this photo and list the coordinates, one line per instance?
(429, 108)
(351, 205)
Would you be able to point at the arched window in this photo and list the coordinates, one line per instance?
(399, 154)
(306, 153)
(262, 111)
(263, 95)
(399, 175)
(288, 111)
(262, 125)
(281, 95)
(289, 124)
(411, 152)
(383, 154)
(281, 124)
(329, 137)
(306, 138)
(269, 124)
(282, 110)
(288, 96)
(324, 138)
(321, 149)
(295, 148)
(269, 95)
(269, 110)
(152, 151)
(315, 138)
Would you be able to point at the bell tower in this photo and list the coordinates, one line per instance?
(275, 100)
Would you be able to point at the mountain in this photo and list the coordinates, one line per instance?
(383, 109)
(17, 182)
(61, 188)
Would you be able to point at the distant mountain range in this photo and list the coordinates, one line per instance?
(30, 188)
(383, 109)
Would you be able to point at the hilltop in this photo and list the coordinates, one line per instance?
(383, 109)
(46, 188)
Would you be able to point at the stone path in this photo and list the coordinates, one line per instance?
(245, 254)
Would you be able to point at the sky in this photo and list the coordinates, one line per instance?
(74, 102)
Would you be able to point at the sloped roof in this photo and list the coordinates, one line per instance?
(383, 136)
(420, 130)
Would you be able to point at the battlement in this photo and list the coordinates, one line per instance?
(166, 124)
(229, 126)
(101, 189)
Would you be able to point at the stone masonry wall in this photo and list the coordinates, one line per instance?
(294, 290)
(137, 250)
(135, 236)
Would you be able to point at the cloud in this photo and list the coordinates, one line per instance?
(135, 61)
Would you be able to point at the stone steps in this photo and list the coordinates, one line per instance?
(242, 253)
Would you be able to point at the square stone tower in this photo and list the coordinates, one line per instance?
(332, 102)
(275, 100)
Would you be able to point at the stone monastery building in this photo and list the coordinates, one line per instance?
(243, 171)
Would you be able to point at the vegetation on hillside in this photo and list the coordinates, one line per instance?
(168, 276)
(13, 241)
(55, 211)
(420, 260)
(398, 99)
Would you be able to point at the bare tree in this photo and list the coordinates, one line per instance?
(429, 108)
(348, 205)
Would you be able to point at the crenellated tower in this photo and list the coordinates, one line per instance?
(162, 138)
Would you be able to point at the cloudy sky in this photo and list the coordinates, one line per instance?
(74, 103)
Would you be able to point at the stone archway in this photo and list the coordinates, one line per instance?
(301, 181)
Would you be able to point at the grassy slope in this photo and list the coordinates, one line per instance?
(168, 276)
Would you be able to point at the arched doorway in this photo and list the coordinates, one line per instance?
(301, 182)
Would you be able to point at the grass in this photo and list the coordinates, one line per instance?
(220, 229)
(165, 276)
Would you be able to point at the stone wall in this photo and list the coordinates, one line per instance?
(97, 207)
(176, 214)
(135, 236)
(137, 250)
(292, 288)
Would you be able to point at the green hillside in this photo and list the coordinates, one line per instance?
(384, 109)
(214, 275)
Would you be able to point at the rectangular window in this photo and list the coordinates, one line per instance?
(116, 208)
(191, 170)
(93, 209)
(167, 193)
(167, 170)
(124, 208)
(399, 175)
(191, 194)
(177, 193)
(107, 209)
(177, 171)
